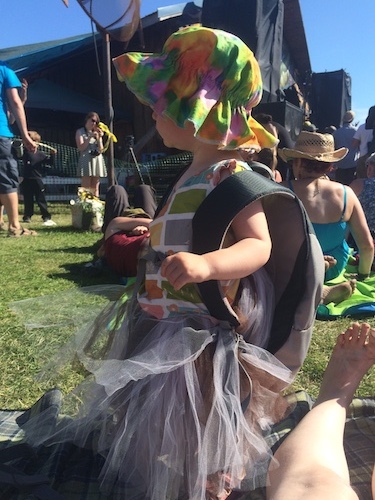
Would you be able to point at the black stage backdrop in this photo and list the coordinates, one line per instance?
(259, 23)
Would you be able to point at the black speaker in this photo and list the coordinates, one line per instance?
(237, 16)
(331, 98)
(285, 113)
(259, 23)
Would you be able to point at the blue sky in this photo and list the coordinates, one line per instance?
(336, 32)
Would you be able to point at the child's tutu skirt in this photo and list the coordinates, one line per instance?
(176, 406)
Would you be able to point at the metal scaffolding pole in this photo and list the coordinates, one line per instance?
(108, 105)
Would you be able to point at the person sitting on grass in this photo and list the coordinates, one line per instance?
(332, 207)
(121, 242)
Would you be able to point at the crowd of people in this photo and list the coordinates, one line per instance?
(29, 182)
(179, 400)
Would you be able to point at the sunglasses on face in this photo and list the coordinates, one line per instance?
(94, 121)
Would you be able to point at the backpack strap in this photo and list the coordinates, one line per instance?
(212, 221)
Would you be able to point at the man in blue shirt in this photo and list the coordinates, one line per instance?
(11, 101)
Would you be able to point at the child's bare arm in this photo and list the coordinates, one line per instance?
(249, 253)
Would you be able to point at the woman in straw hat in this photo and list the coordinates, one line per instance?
(332, 207)
(181, 400)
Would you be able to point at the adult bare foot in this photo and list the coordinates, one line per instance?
(338, 293)
(352, 356)
(329, 262)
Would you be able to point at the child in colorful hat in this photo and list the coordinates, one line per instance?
(202, 88)
(181, 399)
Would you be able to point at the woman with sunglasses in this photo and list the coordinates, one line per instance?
(91, 165)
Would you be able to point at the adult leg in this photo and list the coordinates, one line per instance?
(86, 182)
(94, 185)
(2, 223)
(116, 201)
(144, 197)
(9, 183)
(10, 202)
(311, 461)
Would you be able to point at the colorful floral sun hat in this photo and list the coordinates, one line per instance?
(206, 76)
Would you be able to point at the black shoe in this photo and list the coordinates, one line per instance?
(27, 219)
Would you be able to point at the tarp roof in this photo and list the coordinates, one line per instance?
(26, 59)
(42, 95)
(32, 59)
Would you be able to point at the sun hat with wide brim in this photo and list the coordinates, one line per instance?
(206, 76)
(314, 146)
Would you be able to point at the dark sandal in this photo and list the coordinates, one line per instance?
(17, 233)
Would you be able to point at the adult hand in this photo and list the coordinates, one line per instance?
(183, 267)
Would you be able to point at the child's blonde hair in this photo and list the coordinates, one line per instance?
(35, 136)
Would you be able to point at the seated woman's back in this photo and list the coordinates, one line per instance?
(325, 201)
(331, 206)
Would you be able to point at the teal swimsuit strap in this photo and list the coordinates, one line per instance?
(344, 209)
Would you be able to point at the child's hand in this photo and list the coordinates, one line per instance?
(138, 230)
(183, 267)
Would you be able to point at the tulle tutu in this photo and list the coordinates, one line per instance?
(175, 406)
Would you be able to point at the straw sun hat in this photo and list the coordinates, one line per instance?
(314, 146)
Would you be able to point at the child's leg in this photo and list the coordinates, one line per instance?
(116, 201)
(28, 198)
(40, 199)
(312, 463)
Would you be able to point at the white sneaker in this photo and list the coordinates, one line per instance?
(49, 222)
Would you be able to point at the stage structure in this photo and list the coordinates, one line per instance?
(273, 30)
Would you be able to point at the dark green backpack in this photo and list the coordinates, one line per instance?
(295, 266)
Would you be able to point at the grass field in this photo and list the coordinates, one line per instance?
(53, 262)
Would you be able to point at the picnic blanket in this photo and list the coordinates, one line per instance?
(72, 472)
(361, 304)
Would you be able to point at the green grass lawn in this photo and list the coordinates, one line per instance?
(53, 262)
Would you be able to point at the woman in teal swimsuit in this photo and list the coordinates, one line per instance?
(333, 208)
